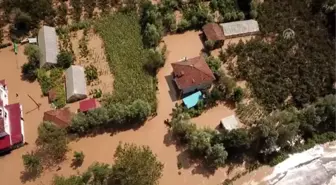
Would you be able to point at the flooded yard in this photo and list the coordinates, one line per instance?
(102, 147)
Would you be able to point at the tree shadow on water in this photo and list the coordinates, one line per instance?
(28, 176)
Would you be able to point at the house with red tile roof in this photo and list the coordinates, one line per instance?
(11, 121)
(192, 74)
(59, 117)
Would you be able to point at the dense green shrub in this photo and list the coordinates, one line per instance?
(209, 44)
(238, 94)
(78, 158)
(52, 141)
(213, 63)
(216, 156)
(29, 69)
(32, 164)
(113, 115)
(91, 74)
(65, 59)
(156, 60)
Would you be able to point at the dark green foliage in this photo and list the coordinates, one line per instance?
(89, 6)
(183, 25)
(197, 15)
(301, 68)
(52, 141)
(29, 69)
(238, 94)
(65, 59)
(224, 86)
(77, 9)
(199, 142)
(91, 74)
(209, 44)
(114, 115)
(32, 164)
(213, 63)
(135, 165)
(78, 158)
(216, 156)
(104, 5)
(156, 60)
(62, 12)
(28, 14)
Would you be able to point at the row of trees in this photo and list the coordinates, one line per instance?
(272, 136)
(111, 116)
(133, 165)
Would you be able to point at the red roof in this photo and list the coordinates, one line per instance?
(192, 72)
(4, 142)
(87, 105)
(60, 117)
(213, 31)
(14, 112)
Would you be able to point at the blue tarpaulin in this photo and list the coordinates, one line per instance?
(192, 100)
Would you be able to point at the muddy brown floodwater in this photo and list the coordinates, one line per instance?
(102, 147)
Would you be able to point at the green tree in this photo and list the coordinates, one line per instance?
(152, 35)
(139, 110)
(181, 127)
(33, 54)
(32, 164)
(214, 63)
(72, 180)
(216, 156)
(238, 94)
(65, 59)
(183, 25)
(155, 60)
(100, 173)
(78, 158)
(52, 141)
(225, 85)
(199, 142)
(135, 165)
(236, 141)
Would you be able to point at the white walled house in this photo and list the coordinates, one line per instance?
(11, 121)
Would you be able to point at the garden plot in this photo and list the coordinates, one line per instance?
(89, 51)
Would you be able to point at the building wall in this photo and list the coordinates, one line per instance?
(197, 87)
(22, 126)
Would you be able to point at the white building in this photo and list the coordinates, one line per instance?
(11, 121)
(47, 42)
(75, 83)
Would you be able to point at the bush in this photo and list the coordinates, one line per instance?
(253, 14)
(32, 164)
(209, 44)
(216, 156)
(97, 93)
(135, 165)
(238, 94)
(33, 53)
(183, 25)
(199, 142)
(214, 63)
(78, 158)
(225, 85)
(91, 74)
(156, 60)
(241, 16)
(29, 71)
(151, 35)
(65, 59)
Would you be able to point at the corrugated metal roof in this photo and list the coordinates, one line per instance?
(75, 83)
(230, 123)
(240, 27)
(47, 41)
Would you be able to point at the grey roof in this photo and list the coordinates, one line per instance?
(75, 82)
(230, 123)
(47, 41)
(240, 27)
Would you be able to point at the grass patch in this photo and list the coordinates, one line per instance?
(126, 56)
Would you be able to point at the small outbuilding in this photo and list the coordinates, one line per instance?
(87, 105)
(213, 31)
(240, 28)
(192, 74)
(230, 123)
(75, 83)
(47, 42)
(59, 117)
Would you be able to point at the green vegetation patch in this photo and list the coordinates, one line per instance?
(294, 70)
(127, 57)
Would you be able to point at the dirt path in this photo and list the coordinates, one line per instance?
(102, 147)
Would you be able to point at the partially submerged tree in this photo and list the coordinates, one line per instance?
(32, 164)
(135, 165)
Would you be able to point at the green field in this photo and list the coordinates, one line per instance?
(127, 56)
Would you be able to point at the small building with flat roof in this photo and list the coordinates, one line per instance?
(230, 123)
(240, 28)
(47, 42)
(75, 83)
